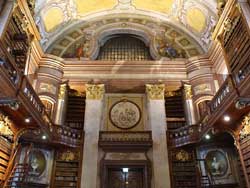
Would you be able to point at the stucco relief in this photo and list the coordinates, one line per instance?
(125, 114)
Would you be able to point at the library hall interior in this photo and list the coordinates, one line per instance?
(124, 93)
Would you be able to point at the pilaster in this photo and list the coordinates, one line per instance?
(157, 120)
(92, 124)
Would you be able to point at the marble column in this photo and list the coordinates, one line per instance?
(92, 124)
(189, 105)
(61, 107)
(157, 120)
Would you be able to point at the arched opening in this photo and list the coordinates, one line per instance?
(124, 47)
(218, 161)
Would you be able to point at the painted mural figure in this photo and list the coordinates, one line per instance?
(216, 167)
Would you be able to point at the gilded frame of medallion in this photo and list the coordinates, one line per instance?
(125, 100)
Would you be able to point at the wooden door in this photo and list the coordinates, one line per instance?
(118, 179)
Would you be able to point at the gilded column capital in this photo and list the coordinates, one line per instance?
(155, 91)
(95, 91)
(187, 91)
(62, 91)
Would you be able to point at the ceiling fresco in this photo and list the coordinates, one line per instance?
(186, 24)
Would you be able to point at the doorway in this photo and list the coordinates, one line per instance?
(125, 174)
(125, 177)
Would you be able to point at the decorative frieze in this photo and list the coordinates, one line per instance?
(125, 136)
(95, 91)
(155, 91)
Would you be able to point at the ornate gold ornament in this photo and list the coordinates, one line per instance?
(155, 91)
(5, 124)
(68, 156)
(62, 91)
(173, 93)
(182, 155)
(22, 22)
(229, 26)
(95, 91)
(220, 6)
(188, 91)
(246, 126)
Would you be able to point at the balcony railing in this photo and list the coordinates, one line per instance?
(58, 133)
(9, 69)
(24, 92)
(67, 136)
(187, 135)
(226, 88)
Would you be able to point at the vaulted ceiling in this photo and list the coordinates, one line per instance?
(63, 23)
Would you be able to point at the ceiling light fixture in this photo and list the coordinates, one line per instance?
(27, 120)
(125, 170)
(227, 118)
(44, 137)
(207, 136)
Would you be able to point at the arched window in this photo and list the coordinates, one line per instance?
(124, 47)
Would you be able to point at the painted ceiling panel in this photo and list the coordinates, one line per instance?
(88, 6)
(163, 6)
(193, 19)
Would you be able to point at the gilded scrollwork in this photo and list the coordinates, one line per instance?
(188, 91)
(5, 124)
(220, 6)
(95, 91)
(155, 91)
(246, 127)
(182, 155)
(173, 93)
(62, 91)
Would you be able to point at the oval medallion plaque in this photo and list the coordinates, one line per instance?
(125, 114)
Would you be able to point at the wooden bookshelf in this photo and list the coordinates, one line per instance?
(75, 112)
(175, 116)
(67, 170)
(5, 152)
(184, 173)
(245, 149)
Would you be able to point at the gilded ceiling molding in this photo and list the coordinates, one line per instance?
(155, 91)
(5, 124)
(94, 91)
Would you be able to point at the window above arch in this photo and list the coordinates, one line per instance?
(124, 47)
